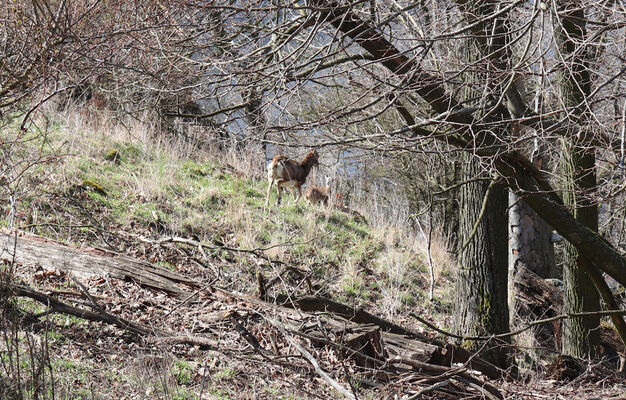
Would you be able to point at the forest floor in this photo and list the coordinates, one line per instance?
(219, 338)
(81, 359)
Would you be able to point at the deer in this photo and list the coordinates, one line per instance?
(318, 194)
(288, 173)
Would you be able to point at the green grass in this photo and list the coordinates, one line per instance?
(130, 187)
(226, 374)
(123, 184)
(183, 372)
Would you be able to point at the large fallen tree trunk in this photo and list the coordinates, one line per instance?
(86, 261)
(37, 251)
(421, 346)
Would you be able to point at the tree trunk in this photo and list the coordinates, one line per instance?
(580, 335)
(87, 261)
(451, 206)
(481, 284)
(530, 240)
(530, 247)
(482, 275)
(530, 237)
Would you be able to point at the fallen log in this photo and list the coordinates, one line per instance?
(488, 390)
(536, 299)
(379, 354)
(36, 251)
(58, 306)
(368, 339)
(425, 348)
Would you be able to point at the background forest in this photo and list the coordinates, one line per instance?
(473, 151)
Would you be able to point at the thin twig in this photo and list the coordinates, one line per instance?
(517, 332)
(428, 389)
(186, 299)
(313, 362)
(94, 304)
(60, 307)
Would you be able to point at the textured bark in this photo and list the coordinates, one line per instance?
(521, 177)
(580, 335)
(530, 240)
(530, 237)
(482, 275)
(451, 205)
(530, 248)
(86, 261)
(481, 282)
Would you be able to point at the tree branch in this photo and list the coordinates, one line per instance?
(520, 175)
(517, 332)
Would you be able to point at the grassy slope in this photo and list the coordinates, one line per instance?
(154, 191)
(111, 186)
(108, 188)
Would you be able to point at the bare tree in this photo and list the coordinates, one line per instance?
(384, 78)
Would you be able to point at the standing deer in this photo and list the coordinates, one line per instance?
(289, 173)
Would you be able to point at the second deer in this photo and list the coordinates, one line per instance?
(318, 194)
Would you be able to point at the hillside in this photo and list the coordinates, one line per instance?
(474, 246)
(96, 186)
(120, 190)
(98, 191)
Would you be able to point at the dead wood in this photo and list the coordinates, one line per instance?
(394, 365)
(433, 350)
(60, 307)
(150, 335)
(363, 339)
(601, 398)
(313, 362)
(429, 389)
(366, 340)
(86, 261)
(535, 299)
(542, 302)
(369, 341)
(324, 304)
(566, 368)
(485, 388)
(70, 293)
(247, 336)
(202, 342)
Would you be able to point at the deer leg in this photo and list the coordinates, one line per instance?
(278, 188)
(269, 191)
(298, 188)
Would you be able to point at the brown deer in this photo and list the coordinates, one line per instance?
(289, 173)
(318, 194)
